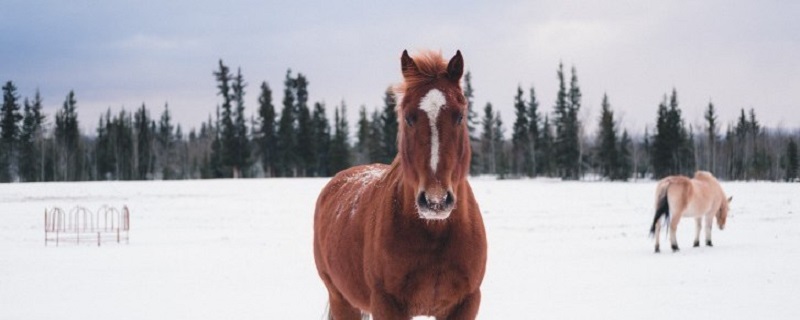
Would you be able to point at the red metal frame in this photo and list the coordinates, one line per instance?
(105, 224)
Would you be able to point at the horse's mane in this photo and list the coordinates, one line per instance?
(431, 66)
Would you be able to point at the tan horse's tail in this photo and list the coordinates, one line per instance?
(662, 205)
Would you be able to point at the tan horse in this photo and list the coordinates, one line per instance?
(700, 198)
(407, 239)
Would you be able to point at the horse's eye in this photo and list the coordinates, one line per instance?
(410, 119)
(459, 117)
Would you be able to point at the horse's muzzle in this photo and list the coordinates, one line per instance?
(437, 207)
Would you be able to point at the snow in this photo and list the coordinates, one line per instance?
(241, 249)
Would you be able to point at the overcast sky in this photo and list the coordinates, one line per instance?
(736, 54)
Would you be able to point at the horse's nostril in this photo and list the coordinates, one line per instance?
(422, 200)
(449, 199)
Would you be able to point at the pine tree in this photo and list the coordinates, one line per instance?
(286, 160)
(520, 161)
(9, 132)
(548, 150)
(166, 143)
(67, 136)
(672, 149)
(340, 144)
(321, 131)
(144, 143)
(305, 152)
(501, 156)
(31, 135)
(390, 126)
(711, 132)
(534, 138)
(573, 148)
(227, 141)
(568, 152)
(375, 148)
(625, 158)
(607, 142)
(792, 161)
(241, 147)
(268, 131)
(473, 121)
(362, 135)
(488, 140)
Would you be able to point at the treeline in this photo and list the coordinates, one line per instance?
(300, 141)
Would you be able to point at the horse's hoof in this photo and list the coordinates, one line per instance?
(696, 244)
(658, 250)
(675, 248)
(708, 243)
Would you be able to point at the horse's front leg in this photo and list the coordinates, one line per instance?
(386, 307)
(697, 233)
(466, 310)
(709, 224)
(673, 229)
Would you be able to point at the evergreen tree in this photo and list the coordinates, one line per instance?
(241, 147)
(501, 156)
(390, 126)
(9, 132)
(548, 151)
(268, 131)
(31, 135)
(166, 141)
(144, 143)
(227, 149)
(534, 138)
(792, 161)
(520, 135)
(340, 144)
(607, 154)
(488, 140)
(473, 121)
(286, 160)
(711, 132)
(376, 150)
(362, 135)
(567, 140)
(672, 149)
(321, 131)
(67, 136)
(305, 151)
(625, 158)
(572, 146)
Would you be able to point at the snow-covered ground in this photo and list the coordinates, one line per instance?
(229, 249)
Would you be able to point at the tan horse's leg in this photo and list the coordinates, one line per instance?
(673, 228)
(658, 234)
(709, 224)
(697, 234)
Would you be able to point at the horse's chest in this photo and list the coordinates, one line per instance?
(432, 288)
(428, 281)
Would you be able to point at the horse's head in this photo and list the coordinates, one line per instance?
(722, 215)
(433, 141)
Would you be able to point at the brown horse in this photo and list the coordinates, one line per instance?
(407, 239)
(700, 198)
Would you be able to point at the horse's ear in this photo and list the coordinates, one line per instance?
(409, 67)
(730, 199)
(456, 67)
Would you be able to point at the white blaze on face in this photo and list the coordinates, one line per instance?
(432, 103)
